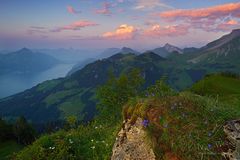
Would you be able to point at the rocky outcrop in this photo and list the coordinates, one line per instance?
(131, 143)
(232, 131)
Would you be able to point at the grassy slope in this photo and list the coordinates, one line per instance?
(227, 89)
(185, 126)
(7, 148)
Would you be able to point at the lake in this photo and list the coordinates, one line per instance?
(14, 83)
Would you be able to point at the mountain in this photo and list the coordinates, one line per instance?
(126, 50)
(224, 50)
(166, 50)
(80, 65)
(111, 51)
(75, 94)
(190, 50)
(70, 55)
(25, 61)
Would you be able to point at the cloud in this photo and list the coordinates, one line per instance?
(36, 30)
(150, 4)
(230, 24)
(213, 13)
(76, 26)
(105, 10)
(37, 27)
(71, 10)
(158, 31)
(207, 19)
(123, 32)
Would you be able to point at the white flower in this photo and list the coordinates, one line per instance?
(70, 141)
(93, 147)
(92, 140)
(96, 127)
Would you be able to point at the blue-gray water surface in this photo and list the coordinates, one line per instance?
(14, 83)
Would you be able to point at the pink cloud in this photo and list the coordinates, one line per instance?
(230, 24)
(207, 19)
(123, 32)
(105, 10)
(76, 26)
(216, 12)
(71, 10)
(158, 31)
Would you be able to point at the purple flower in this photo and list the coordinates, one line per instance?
(145, 123)
(209, 146)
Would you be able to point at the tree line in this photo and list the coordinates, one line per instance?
(20, 131)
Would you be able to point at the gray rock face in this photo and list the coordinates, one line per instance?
(232, 130)
(130, 143)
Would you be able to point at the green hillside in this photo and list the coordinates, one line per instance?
(74, 95)
(180, 125)
(8, 148)
(225, 87)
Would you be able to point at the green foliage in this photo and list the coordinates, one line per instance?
(24, 132)
(160, 89)
(117, 91)
(7, 148)
(71, 122)
(6, 131)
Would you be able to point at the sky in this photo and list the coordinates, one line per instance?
(92, 24)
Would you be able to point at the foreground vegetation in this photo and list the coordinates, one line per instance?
(182, 125)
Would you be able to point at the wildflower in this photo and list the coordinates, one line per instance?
(209, 146)
(209, 134)
(93, 147)
(70, 141)
(96, 127)
(145, 123)
(92, 140)
(165, 125)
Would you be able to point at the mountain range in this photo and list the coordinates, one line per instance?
(75, 94)
(25, 61)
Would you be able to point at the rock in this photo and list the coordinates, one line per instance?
(130, 143)
(232, 131)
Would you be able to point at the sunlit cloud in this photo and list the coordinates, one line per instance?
(158, 31)
(207, 19)
(76, 26)
(71, 10)
(105, 10)
(150, 4)
(213, 13)
(230, 24)
(123, 32)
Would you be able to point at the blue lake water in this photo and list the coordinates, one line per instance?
(14, 83)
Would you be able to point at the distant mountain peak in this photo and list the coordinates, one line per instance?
(25, 50)
(125, 50)
(171, 48)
